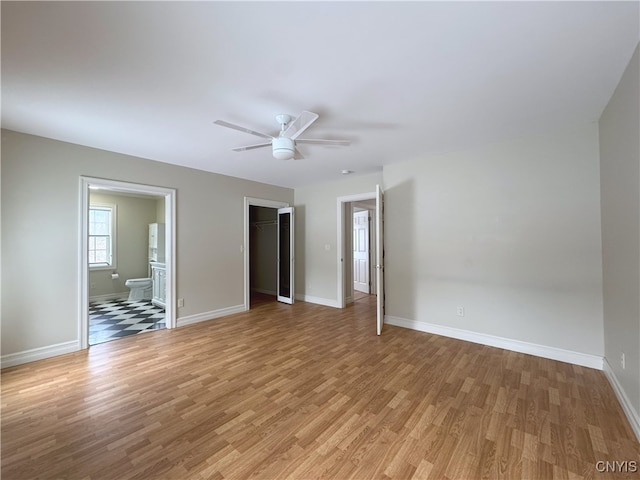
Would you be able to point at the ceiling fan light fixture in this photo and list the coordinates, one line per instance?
(283, 148)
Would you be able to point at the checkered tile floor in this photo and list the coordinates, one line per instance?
(120, 318)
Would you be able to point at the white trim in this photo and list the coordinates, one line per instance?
(341, 201)
(256, 202)
(627, 406)
(203, 317)
(328, 302)
(169, 195)
(544, 351)
(109, 296)
(40, 353)
(83, 267)
(348, 300)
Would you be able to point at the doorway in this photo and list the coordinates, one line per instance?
(263, 255)
(126, 264)
(345, 260)
(273, 221)
(363, 246)
(114, 188)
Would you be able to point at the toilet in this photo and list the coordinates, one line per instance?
(141, 288)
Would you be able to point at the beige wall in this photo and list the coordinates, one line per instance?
(316, 226)
(133, 216)
(40, 193)
(620, 184)
(510, 232)
(160, 210)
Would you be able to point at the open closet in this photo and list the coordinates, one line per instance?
(263, 254)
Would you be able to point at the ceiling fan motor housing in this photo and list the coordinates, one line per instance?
(283, 148)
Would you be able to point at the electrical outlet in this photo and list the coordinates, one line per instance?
(180, 302)
(623, 362)
(460, 311)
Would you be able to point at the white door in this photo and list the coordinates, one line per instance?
(286, 279)
(361, 251)
(379, 258)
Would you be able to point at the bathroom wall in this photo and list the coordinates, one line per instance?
(160, 210)
(133, 216)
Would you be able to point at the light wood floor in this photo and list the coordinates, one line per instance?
(307, 392)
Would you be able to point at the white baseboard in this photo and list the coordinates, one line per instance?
(627, 406)
(319, 300)
(348, 300)
(109, 296)
(544, 351)
(203, 317)
(41, 353)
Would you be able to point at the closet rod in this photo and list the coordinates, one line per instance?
(264, 222)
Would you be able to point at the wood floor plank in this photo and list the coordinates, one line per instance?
(306, 391)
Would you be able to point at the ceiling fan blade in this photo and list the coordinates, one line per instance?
(222, 123)
(251, 147)
(300, 124)
(314, 141)
(298, 155)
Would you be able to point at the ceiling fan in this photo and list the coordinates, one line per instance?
(284, 145)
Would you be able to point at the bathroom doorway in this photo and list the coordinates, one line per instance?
(126, 260)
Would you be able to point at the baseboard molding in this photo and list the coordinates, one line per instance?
(109, 296)
(348, 300)
(319, 300)
(40, 353)
(544, 351)
(203, 317)
(627, 406)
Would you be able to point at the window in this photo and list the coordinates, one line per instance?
(102, 236)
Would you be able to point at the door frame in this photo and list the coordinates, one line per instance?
(341, 205)
(118, 186)
(253, 202)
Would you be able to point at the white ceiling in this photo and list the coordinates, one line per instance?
(397, 79)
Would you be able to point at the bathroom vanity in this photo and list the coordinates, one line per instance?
(159, 276)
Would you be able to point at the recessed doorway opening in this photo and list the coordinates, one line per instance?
(268, 248)
(113, 303)
(346, 257)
